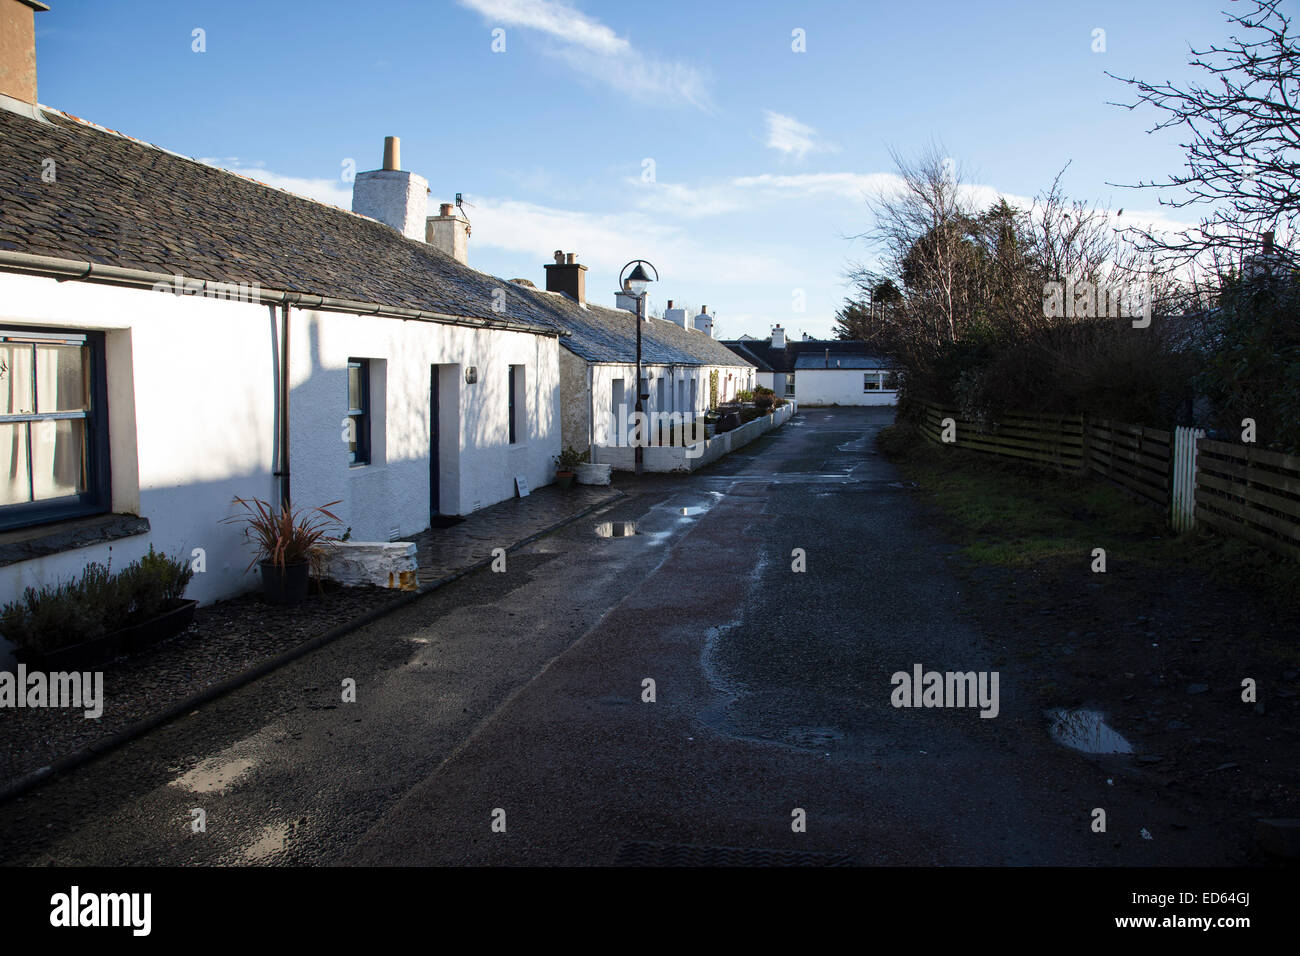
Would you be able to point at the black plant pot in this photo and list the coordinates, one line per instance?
(564, 478)
(285, 584)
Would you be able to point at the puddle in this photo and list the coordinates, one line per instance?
(616, 529)
(1086, 731)
(214, 775)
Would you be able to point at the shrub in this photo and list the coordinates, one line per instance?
(97, 603)
(570, 459)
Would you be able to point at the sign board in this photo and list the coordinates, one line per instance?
(521, 485)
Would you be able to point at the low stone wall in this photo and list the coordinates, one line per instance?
(381, 564)
(675, 458)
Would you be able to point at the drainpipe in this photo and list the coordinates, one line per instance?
(591, 414)
(283, 473)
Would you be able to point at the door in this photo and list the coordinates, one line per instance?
(435, 469)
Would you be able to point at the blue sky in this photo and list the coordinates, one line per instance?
(761, 156)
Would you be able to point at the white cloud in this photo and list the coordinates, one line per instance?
(333, 191)
(554, 18)
(594, 49)
(787, 135)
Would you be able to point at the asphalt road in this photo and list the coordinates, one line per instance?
(502, 720)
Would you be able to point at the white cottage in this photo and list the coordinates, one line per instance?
(680, 365)
(820, 372)
(173, 335)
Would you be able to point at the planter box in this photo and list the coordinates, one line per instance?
(173, 619)
(593, 474)
(176, 617)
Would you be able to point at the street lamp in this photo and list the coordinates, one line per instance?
(634, 283)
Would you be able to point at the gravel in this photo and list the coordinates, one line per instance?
(226, 639)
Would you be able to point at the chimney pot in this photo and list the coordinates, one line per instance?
(670, 303)
(1268, 243)
(392, 153)
(559, 257)
(570, 258)
(445, 209)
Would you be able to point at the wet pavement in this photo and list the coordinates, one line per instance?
(766, 604)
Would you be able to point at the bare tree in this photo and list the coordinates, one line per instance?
(920, 234)
(1244, 150)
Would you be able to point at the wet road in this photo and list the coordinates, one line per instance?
(501, 719)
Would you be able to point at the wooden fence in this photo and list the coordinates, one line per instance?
(1249, 493)
(1236, 490)
(1130, 455)
(1054, 440)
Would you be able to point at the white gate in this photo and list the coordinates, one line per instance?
(1183, 510)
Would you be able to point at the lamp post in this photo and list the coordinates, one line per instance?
(634, 283)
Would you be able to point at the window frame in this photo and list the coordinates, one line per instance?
(511, 424)
(789, 384)
(98, 496)
(361, 417)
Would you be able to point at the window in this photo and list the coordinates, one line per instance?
(359, 411)
(871, 381)
(53, 427)
(517, 405)
(789, 383)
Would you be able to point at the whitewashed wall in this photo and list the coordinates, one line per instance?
(837, 387)
(192, 386)
(677, 391)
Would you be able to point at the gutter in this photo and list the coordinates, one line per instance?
(71, 269)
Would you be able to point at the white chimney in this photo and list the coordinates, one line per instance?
(778, 337)
(675, 316)
(393, 196)
(448, 233)
(704, 321)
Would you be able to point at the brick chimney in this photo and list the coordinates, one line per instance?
(18, 48)
(448, 233)
(778, 336)
(567, 276)
(393, 196)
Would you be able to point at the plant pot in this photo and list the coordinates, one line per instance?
(285, 584)
(710, 431)
(74, 657)
(564, 478)
(593, 474)
(175, 617)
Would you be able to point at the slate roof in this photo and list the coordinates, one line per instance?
(810, 355)
(601, 334)
(121, 202)
(840, 360)
(741, 348)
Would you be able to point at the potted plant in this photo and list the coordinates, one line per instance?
(288, 543)
(566, 465)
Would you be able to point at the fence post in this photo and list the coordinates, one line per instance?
(1183, 510)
